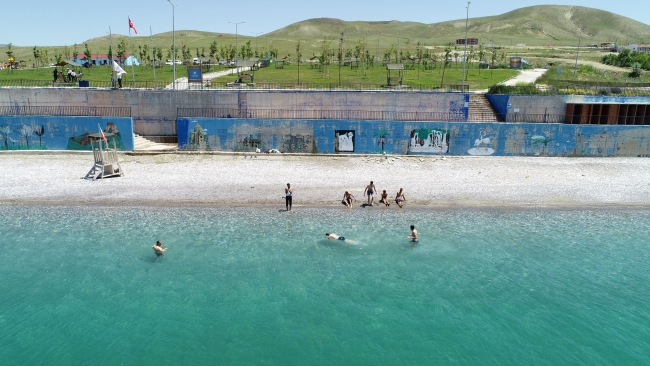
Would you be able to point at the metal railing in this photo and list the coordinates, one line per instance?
(65, 111)
(317, 114)
(207, 85)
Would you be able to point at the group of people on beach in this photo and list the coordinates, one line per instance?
(370, 191)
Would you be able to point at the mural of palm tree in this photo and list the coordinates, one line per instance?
(381, 133)
(39, 132)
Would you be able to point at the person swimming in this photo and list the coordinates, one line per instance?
(159, 249)
(341, 238)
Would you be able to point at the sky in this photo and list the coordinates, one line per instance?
(66, 22)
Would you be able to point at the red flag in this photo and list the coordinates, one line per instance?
(132, 26)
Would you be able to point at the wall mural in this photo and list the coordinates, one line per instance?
(197, 138)
(297, 143)
(427, 140)
(344, 140)
(23, 138)
(82, 142)
(381, 137)
(481, 146)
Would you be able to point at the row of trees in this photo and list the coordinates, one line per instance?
(636, 60)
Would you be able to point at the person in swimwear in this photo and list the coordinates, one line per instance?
(341, 238)
(347, 199)
(399, 199)
(413, 235)
(370, 191)
(384, 198)
(159, 249)
(288, 192)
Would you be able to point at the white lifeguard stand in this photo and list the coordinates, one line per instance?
(106, 163)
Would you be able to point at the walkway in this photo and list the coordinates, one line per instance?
(525, 76)
(182, 83)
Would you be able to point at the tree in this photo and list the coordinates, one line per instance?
(445, 61)
(159, 56)
(298, 55)
(481, 55)
(37, 55)
(456, 54)
(9, 52)
(88, 55)
(213, 48)
(43, 55)
(121, 50)
(146, 54)
(75, 51)
(324, 58)
(66, 53)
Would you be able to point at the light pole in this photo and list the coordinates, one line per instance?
(256, 36)
(465, 52)
(173, 43)
(236, 35)
(575, 68)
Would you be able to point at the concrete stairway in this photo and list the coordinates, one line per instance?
(481, 110)
(142, 144)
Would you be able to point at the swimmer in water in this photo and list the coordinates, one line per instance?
(341, 238)
(413, 235)
(159, 249)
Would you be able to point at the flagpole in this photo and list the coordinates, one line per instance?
(153, 53)
(110, 62)
(131, 45)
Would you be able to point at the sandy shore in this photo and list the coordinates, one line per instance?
(236, 180)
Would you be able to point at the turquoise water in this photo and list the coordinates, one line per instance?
(251, 286)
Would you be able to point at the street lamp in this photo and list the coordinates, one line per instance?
(173, 43)
(465, 52)
(236, 45)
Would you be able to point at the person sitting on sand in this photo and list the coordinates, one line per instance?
(159, 249)
(399, 199)
(347, 199)
(414, 234)
(384, 198)
(341, 238)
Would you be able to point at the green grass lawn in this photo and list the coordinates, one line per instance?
(376, 76)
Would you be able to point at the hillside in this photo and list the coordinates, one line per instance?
(535, 26)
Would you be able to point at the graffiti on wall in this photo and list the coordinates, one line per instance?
(82, 142)
(249, 143)
(23, 138)
(297, 143)
(344, 140)
(429, 140)
(482, 146)
(381, 137)
(197, 137)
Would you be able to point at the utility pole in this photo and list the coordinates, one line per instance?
(465, 52)
(340, 56)
(575, 68)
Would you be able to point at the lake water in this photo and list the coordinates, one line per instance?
(256, 286)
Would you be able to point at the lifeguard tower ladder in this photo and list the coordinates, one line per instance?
(106, 163)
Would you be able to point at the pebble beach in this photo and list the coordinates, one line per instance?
(227, 179)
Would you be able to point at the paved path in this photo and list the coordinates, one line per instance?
(182, 84)
(525, 76)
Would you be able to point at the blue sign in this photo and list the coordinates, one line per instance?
(509, 105)
(194, 75)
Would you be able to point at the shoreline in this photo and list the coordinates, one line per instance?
(237, 180)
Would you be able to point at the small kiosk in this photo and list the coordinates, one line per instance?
(106, 163)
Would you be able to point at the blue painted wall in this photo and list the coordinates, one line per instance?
(453, 138)
(60, 132)
(500, 103)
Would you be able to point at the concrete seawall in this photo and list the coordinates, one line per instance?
(154, 112)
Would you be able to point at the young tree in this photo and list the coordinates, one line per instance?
(159, 55)
(43, 55)
(88, 55)
(481, 55)
(75, 51)
(37, 55)
(298, 55)
(445, 61)
(9, 52)
(121, 50)
(213, 48)
(456, 54)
